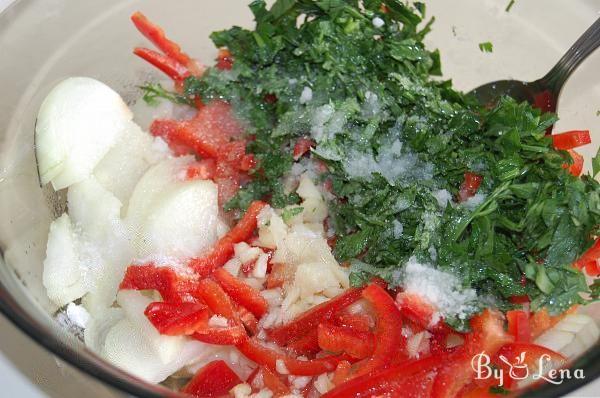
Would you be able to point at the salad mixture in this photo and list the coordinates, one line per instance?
(317, 215)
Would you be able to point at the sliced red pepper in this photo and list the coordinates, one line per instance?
(213, 380)
(523, 360)
(307, 344)
(577, 166)
(230, 335)
(224, 60)
(469, 186)
(592, 254)
(242, 293)
(523, 299)
(342, 373)
(167, 65)
(571, 139)
(389, 341)
(254, 350)
(415, 308)
(217, 300)
(410, 379)
(171, 49)
(518, 325)
(592, 268)
(302, 146)
(310, 319)
(488, 336)
(276, 278)
(209, 134)
(171, 286)
(175, 319)
(358, 322)
(265, 378)
(223, 250)
(336, 339)
(248, 320)
(204, 169)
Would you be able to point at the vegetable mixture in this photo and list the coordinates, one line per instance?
(318, 215)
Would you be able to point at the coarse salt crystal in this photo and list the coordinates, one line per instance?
(306, 95)
(378, 22)
(443, 290)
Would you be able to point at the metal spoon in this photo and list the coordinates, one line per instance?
(544, 92)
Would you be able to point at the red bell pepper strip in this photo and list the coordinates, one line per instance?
(409, 379)
(254, 350)
(389, 341)
(217, 300)
(336, 339)
(310, 319)
(518, 325)
(592, 254)
(212, 133)
(242, 293)
(342, 373)
(488, 336)
(248, 320)
(265, 378)
(204, 169)
(171, 49)
(307, 344)
(171, 286)
(276, 277)
(175, 319)
(302, 146)
(168, 66)
(592, 268)
(571, 139)
(415, 308)
(213, 380)
(577, 166)
(358, 322)
(224, 60)
(230, 335)
(524, 359)
(223, 250)
(469, 186)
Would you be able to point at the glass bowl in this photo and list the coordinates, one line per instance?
(45, 41)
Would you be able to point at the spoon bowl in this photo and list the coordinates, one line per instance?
(542, 93)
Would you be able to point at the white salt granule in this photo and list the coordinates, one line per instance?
(398, 229)
(432, 253)
(443, 290)
(77, 315)
(443, 197)
(378, 22)
(306, 95)
(391, 162)
(474, 201)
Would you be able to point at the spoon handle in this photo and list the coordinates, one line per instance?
(583, 47)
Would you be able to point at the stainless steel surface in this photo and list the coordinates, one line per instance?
(543, 92)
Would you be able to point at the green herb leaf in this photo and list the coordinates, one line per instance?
(486, 47)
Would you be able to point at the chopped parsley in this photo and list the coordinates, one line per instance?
(397, 143)
(486, 47)
(510, 5)
(154, 91)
